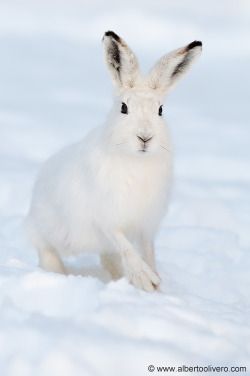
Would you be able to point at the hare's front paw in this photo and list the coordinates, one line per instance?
(139, 273)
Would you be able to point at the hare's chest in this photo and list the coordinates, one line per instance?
(135, 192)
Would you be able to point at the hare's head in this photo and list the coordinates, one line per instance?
(138, 110)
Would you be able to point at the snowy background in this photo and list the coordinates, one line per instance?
(54, 87)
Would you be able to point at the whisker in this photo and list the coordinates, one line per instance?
(163, 147)
(121, 143)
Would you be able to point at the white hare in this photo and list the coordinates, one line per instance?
(109, 192)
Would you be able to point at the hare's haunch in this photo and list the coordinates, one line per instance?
(109, 192)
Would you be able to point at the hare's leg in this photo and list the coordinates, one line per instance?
(148, 252)
(150, 255)
(147, 248)
(135, 269)
(113, 264)
(50, 261)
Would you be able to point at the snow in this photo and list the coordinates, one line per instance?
(54, 88)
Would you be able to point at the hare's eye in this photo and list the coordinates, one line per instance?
(124, 108)
(160, 111)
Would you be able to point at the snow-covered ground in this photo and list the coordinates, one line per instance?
(54, 88)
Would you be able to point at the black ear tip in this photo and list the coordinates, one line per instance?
(112, 35)
(195, 43)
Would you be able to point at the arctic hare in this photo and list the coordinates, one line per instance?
(109, 192)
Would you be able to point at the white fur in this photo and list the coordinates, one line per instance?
(105, 194)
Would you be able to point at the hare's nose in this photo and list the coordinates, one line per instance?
(144, 138)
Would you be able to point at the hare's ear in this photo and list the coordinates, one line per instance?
(120, 60)
(171, 67)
